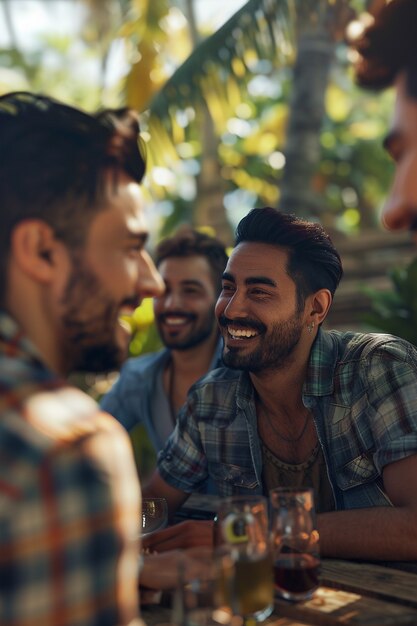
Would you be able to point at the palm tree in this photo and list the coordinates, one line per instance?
(271, 34)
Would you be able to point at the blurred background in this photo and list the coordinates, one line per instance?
(243, 104)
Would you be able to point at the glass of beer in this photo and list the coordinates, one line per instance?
(242, 525)
(295, 543)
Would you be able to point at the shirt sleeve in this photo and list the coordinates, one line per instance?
(118, 400)
(392, 397)
(183, 463)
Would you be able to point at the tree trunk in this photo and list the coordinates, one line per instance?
(302, 152)
(321, 23)
(209, 208)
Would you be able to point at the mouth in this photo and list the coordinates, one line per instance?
(241, 333)
(240, 330)
(175, 321)
(129, 306)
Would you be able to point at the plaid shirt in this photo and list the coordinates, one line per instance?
(362, 392)
(69, 500)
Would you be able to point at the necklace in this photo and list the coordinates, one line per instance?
(280, 435)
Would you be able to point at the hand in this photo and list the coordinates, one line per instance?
(160, 570)
(187, 534)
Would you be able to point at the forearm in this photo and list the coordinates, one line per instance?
(380, 533)
(156, 487)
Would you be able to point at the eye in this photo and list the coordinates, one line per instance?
(257, 292)
(227, 288)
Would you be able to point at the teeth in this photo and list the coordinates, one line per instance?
(235, 332)
(175, 321)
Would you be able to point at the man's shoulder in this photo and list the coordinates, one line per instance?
(218, 387)
(48, 419)
(219, 375)
(355, 345)
(139, 365)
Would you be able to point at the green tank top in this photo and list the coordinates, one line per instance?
(310, 473)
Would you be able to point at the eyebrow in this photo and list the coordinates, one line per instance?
(252, 280)
(192, 282)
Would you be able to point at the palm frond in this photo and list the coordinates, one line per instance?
(256, 39)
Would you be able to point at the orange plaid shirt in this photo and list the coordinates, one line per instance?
(69, 500)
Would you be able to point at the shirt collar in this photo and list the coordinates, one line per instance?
(322, 363)
(14, 342)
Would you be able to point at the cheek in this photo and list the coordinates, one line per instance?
(121, 271)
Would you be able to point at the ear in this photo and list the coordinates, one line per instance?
(33, 245)
(319, 305)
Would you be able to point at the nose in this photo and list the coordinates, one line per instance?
(233, 306)
(399, 216)
(150, 283)
(172, 300)
(400, 208)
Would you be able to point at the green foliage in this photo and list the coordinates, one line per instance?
(395, 311)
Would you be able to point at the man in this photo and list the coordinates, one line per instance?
(298, 405)
(152, 388)
(73, 258)
(388, 56)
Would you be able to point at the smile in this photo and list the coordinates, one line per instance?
(175, 320)
(241, 333)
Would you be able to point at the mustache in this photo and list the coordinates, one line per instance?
(239, 322)
(164, 316)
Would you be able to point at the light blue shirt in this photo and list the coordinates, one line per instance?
(132, 399)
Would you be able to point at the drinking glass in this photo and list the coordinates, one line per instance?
(295, 543)
(242, 525)
(203, 594)
(154, 515)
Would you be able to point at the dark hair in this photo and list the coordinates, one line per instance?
(53, 162)
(313, 261)
(189, 242)
(389, 46)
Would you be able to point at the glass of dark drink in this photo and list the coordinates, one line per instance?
(295, 543)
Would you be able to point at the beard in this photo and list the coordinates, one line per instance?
(187, 339)
(91, 341)
(274, 347)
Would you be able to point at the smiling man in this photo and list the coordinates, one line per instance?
(72, 258)
(298, 405)
(152, 388)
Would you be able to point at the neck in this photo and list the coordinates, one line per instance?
(195, 361)
(280, 390)
(36, 323)
(184, 368)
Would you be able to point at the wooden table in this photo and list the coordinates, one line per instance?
(351, 593)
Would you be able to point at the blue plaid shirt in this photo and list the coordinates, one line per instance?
(362, 392)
